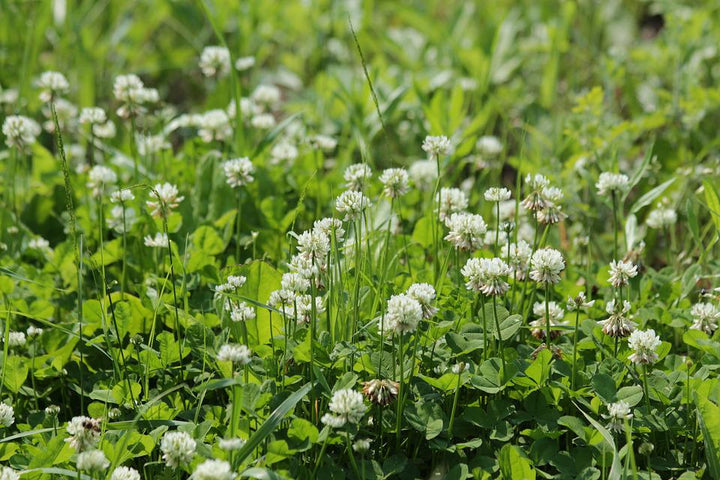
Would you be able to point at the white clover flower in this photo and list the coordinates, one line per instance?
(551, 211)
(534, 185)
(497, 194)
(242, 313)
(125, 473)
(621, 271)
(489, 145)
(234, 353)
(84, 433)
(7, 473)
(93, 116)
(546, 265)
(423, 173)
(307, 265)
(609, 182)
(20, 132)
(644, 343)
(507, 210)
(356, 176)
(458, 368)
(105, 130)
(213, 470)
(39, 243)
(34, 331)
(160, 240)
(263, 121)
(403, 314)
(66, 114)
(557, 314)
(437, 146)
(244, 63)
(238, 171)
(314, 244)
(579, 302)
(618, 324)
(304, 305)
(214, 125)
(233, 283)
(178, 449)
(7, 415)
(92, 461)
(215, 61)
(121, 219)
(333, 421)
(326, 226)
(231, 444)
(266, 95)
(16, 339)
(295, 282)
(466, 230)
(151, 144)
(283, 152)
(706, 316)
(325, 143)
(122, 195)
(361, 445)
(99, 177)
(520, 258)
(9, 96)
(661, 217)
(424, 293)
(125, 87)
(164, 198)
(52, 84)
(451, 200)
(486, 275)
(617, 414)
(395, 182)
(351, 204)
(347, 405)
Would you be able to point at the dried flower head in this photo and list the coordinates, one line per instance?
(381, 392)
(618, 324)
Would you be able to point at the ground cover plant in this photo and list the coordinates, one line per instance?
(432, 239)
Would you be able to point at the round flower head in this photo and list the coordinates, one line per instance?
(451, 200)
(92, 461)
(325, 143)
(99, 177)
(540, 325)
(395, 182)
(34, 331)
(551, 212)
(121, 219)
(105, 130)
(436, 146)
(304, 306)
(164, 197)
(520, 258)
(238, 171)
(361, 445)
(93, 116)
(178, 449)
(125, 473)
(617, 414)
(244, 63)
(232, 283)
(381, 392)
(215, 61)
(644, 344)
(231, 444)
(20, 132)
(424, 293)
(486, 275)
(351, 203)
(403, 314)
(329, 227)
(621, 271)
(423, 173)
(125, 87)
(242, 313)
(7, 415)
(213, 470)
(214, 125)
(266, 95)
(52, 84)
(121, 196)
(16, 339)
(546, 265)
(283, 152)
(489, 146)
(466, 231)
(497, 194)
(347, 406)
(84, 433)
(7, 473)
(609, 182)
(534, 185)
(160, 240)
(39, 243)
(356, 176)
(239, 354)
(618, 324)
(661, 217)
(151, 144)
(706, 316)
(263, 121)
(314, 244)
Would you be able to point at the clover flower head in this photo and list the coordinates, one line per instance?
(437, 146)
(489, 145)
(466, 231)
(93, 116)
(395, 182)
(425, 294)
(661, 217)
(451, 200)
(92, 461)
(705, 316)
(238, 171)
(621, 271)
(357, 175)
(546, 265)
(160, 240)
(178, 449)
(497, 194)
(163, 198)
(351, 204)
(125, 473)
(7, 415)
(234, 353)
(84, 433)
(618, 412)
(618, 324)
(213, 470)
(644, 343)
(348, 405)
(403, 314)
(423, 173)
(52, 84)
(609, 182)
(486, 275)
(20, 131)
(99, 177)
(215, 61)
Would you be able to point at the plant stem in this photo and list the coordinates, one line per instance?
(454, 406)
(574, 361)
(548, 338)
(615, 226)
(398, 420)
(500, 339)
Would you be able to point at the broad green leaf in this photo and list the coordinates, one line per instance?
(650, 196)
(713, 203)
(514, 465)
